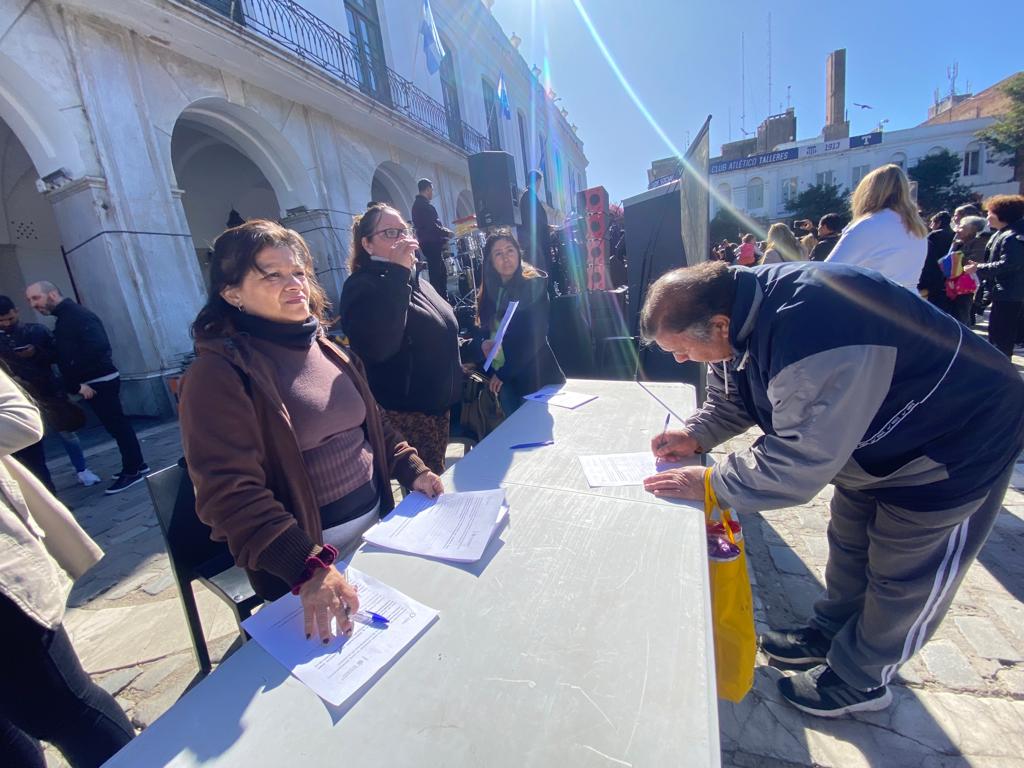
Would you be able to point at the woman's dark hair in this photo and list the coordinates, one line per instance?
(1008, 208)
(364, 225)
(490, 282)
(685, 300)
(234, 256)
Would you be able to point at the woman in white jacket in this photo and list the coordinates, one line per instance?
(44, 693)
(886, 233)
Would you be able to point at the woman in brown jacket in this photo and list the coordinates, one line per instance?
(290, 457)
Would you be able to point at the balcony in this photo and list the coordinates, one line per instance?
(309, 37)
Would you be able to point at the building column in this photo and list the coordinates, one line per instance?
(144, 286)
(328, 244)
(124, 232)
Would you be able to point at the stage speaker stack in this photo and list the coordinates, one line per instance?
(492, 176)
(593, 203)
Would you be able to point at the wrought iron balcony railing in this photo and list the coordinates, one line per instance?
(309, 37)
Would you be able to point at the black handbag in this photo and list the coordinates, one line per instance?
(61, 414)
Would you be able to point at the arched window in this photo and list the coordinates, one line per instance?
(755, 194)
(900, 159)
(972, 159)
(723, 198)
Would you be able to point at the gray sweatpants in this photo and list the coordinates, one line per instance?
(892, 573)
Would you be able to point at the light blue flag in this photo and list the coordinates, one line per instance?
(506, 108)
(432, 48)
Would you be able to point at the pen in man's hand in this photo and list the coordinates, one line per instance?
(664, 429)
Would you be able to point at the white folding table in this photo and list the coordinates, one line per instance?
(582, 638)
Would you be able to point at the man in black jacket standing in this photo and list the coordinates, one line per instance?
(431, 235)
(87, 367)
(534, 236)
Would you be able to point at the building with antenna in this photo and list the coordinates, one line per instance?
(760, 174)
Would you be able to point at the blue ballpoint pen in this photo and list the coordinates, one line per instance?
(369, 617)
(541, 444)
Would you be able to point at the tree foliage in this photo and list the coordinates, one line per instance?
(938, 186)
(1005, 137)
(819, 199)
(726, 225)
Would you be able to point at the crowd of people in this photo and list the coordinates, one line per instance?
(292, 438)
(963, 263)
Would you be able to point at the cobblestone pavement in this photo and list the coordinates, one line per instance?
(959, 702)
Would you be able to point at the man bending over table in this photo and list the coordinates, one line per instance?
(855, 381)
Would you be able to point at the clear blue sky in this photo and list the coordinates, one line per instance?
(682, 57)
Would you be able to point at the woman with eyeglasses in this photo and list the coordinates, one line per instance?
(525, 362)
(404, 331)
(287, 448)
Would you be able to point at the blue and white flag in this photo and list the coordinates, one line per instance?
(432, 47)
(506, 108)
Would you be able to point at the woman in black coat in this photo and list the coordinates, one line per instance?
(1005, 267)
(525, 362)
(403, 330)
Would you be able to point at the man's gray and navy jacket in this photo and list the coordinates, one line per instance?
(857, 381)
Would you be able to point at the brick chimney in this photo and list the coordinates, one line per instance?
(836, 124)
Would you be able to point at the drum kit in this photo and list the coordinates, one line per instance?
(463, 259)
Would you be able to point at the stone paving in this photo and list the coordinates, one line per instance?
(959, 702)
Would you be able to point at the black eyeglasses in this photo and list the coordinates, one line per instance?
(393, 233)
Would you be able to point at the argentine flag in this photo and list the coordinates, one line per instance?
(432, 47)
(506, 108)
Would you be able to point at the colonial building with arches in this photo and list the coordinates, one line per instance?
(130, 130)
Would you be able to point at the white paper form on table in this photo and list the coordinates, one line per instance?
(454, 526)
(336, 671)
(563, 398)
(619, 469)
(500, 335)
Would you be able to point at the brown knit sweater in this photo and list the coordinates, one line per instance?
(327, 415)
(252, 487)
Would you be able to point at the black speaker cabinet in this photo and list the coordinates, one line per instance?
(654, 245)
(654, 242)
(495, 194)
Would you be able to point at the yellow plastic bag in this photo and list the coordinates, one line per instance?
(732, 608)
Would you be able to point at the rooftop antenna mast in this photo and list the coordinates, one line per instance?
(743, 85)
(951, 74)
(769, 63)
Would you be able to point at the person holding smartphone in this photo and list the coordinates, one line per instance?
(404, 330)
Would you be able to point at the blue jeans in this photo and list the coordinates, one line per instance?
(74, 450)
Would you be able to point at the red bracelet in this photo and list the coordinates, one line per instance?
(325, 559)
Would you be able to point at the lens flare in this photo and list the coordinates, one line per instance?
(750, 224)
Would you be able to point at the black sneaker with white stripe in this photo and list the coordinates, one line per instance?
(822, 693)
(806, 645)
